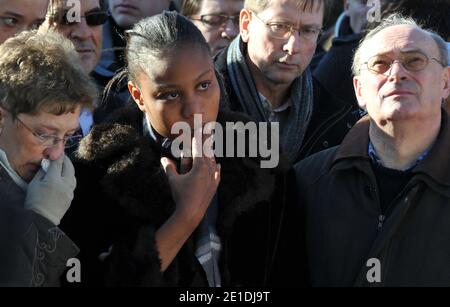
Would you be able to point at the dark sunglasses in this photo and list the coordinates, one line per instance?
(93, 18)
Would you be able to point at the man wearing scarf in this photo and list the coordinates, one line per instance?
(266, 75)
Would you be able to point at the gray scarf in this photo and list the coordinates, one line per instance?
(291, 138)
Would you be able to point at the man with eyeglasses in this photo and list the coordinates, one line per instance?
(218, 20)
(82, 27)
(42, 90)
(81, 22)
(377, 207)
(267, 77)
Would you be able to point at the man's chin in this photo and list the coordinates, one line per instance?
(284, 79)
(89, 62)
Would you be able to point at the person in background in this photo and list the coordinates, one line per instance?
(20, 15)
(123, 15)
(43, 88)
(85, 34)
(218, 20)
(333, 71)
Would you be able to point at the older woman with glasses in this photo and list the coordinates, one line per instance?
(43, 87)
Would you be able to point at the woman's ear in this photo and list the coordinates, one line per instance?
(244, 20)
(137, 95)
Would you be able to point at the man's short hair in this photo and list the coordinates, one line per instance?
(260, 5)
(42, 71)
(398, 20)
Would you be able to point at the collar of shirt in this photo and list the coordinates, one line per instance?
(376, 159)
(270, 111)
(12, 173)
(164, 143)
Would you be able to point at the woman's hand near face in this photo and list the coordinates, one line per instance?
(192, 192)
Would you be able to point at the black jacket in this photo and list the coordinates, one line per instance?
(123, 197)
(345, 226)
(331, 119)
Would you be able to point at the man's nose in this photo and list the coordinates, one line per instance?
(81, 30)
(293, 45)
(230, 29)
(54, 152)
(397, 71)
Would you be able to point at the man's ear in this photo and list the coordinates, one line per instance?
(446, 82)
(244, 20)
(136, 95)
(357, 84)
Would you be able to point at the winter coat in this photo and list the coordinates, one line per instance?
(350, 242)
(34, 252)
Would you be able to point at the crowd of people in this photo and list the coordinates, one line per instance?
(354, 107)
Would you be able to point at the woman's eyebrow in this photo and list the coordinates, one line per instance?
(168, 85)
(203, 74)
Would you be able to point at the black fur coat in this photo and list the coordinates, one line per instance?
(123, 197)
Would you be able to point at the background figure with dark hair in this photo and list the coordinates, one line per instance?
(123, 16)
(39, 109)
(151, 218)
(218, 20)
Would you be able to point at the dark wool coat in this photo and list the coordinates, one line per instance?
(344, 228)
(123, 197)
(34, 252)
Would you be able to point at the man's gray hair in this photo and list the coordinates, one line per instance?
(397, 20)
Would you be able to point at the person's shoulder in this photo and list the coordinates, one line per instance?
(314, 167)
(15, 219)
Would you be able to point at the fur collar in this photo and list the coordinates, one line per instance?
(131, 173)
